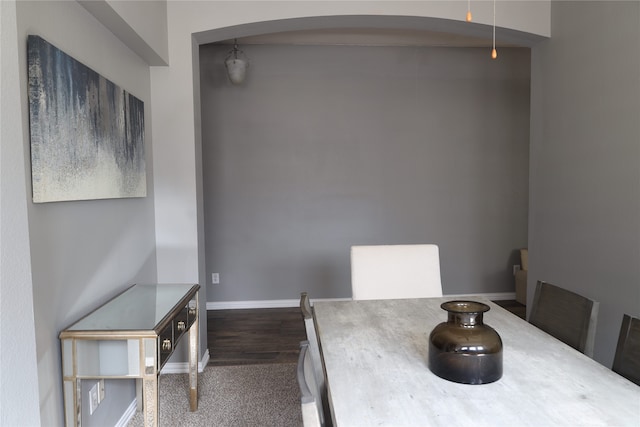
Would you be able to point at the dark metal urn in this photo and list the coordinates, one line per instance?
(463, 349)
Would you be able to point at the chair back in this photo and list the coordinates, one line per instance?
(395, 271)
(312, 337)
(310, 401)
(627, 359)
(568, 316)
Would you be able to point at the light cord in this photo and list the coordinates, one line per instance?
(494, 52)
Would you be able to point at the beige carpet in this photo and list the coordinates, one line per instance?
(246, 395)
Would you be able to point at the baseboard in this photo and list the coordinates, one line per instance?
(491, 296)
(128, 414)
(279, 303)
(183, 367)
(286, 303)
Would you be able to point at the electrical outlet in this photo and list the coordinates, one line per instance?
(101, 394)
(215, 278)
(516, 268)
(93, 399)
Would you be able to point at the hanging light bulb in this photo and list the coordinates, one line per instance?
(494, 52)
(469, 18)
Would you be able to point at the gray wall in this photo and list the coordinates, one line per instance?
(18, 376)
(325, 147)
(83, 253)
(584, 230)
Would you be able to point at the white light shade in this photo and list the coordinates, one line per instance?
(237, 69)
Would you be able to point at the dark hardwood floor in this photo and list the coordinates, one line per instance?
(513, 306)
(251, 336)
(269, 335)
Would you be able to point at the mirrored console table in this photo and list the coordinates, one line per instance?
(131, 336)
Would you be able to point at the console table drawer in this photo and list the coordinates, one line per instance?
(165, 344)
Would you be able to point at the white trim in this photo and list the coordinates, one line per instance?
(232, 305)
(279, 303)
(128, 414)
(492, 296)
(285, 303)
(183, 367)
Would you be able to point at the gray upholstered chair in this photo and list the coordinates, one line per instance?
(310, 399)
(568, 316)
(395, 271)
(627, 359)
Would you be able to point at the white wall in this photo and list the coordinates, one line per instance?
(83, 253)
(140, 24)
(149, 18)
(18, 367)
(584, 232)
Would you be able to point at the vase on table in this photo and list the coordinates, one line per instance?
(463, 349)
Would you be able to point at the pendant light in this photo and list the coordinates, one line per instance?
(469, 17)
(236, 63)
(494, 52)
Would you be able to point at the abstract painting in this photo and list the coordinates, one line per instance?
(87, 133)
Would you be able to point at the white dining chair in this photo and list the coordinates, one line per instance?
(310, 400)
(395, 271)
(312, 337)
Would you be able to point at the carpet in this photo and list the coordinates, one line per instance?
(245, 395)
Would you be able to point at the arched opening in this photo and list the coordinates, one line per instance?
(307, 214)
(455, 30)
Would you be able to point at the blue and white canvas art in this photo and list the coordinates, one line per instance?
(87, 133)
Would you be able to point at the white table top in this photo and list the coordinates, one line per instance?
(376, 355)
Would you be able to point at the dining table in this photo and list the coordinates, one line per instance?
(375, 355)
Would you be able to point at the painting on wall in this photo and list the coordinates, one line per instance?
(87, 133)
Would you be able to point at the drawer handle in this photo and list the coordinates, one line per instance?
(181, 326)
(166, 345)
